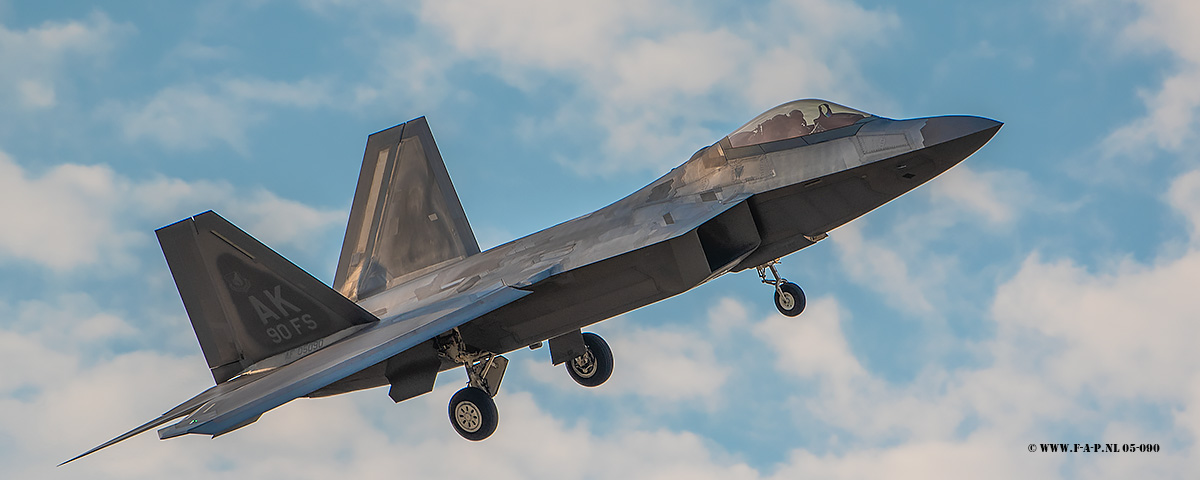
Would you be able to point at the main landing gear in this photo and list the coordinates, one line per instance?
(472, 411)
(789, 298)
(593, 367)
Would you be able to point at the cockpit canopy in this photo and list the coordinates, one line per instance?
(796, 119)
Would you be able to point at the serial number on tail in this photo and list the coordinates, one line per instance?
(304, 350)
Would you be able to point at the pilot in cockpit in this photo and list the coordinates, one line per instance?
(797, 125)
(773, 125)
(783, 126)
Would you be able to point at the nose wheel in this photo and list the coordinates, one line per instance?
(789, 298)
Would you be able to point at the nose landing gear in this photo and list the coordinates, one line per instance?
(789, 298)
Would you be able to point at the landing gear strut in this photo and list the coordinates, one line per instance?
(472, 411)
(789, 298)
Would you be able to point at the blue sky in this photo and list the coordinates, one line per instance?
(1042, 291)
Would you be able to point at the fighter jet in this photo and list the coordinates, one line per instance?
(414, 296)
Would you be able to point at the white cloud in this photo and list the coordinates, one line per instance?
(662, 366)
(65, 218)
(878, 266)
(195, 116)
(406, 74)
(36, 94)
(983, 458)
(1184, 196)
(1104, 332)
(278, 220)
(300, 441)
(728, 315)
(644, 81)
(67, 401)
(811, 345)
(896, 261)
(188, 117)
(994, 196)
(1171, 109)
(814, 348)
(667, 365)
(193, 51)
(652, 75)
(1170, 120)
(76, 215)
(305, 93)
(91, 326)
(34, 59)
(1077, 356)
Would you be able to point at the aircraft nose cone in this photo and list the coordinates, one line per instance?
(938, 130)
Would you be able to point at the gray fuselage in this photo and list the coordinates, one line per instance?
(726, 209)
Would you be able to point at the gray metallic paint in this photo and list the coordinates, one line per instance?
(723, 210)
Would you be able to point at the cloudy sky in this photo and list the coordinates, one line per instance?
(1043, 291)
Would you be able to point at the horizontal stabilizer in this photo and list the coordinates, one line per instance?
(164, 418)
(180, 410)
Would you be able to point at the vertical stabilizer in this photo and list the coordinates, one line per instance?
(406, 215)
(246, 302)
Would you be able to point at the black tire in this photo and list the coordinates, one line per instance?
(792, 298)
(593, 368)
(473, 414)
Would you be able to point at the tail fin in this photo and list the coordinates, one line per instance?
(246, 302)
(406, 215)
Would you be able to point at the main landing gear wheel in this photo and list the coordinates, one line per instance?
(472, 410)
(789, 299)
(473, 414)
(594, 367)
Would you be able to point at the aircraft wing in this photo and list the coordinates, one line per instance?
(242, 400)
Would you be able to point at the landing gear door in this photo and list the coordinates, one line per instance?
(566, 346)
(413, 371)
(495, 373)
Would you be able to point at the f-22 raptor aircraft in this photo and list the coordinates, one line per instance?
(413, 294)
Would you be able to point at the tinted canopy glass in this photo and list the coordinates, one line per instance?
(795, 119)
